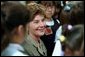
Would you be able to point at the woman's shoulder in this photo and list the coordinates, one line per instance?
(12, 51)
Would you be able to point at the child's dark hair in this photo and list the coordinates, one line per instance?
(75, 37)
(12, 15)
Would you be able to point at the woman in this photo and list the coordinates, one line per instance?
(35, 29)
(14, 18)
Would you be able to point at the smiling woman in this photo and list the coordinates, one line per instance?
(37, 26)
(35, 29)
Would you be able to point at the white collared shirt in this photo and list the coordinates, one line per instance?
(50, 23)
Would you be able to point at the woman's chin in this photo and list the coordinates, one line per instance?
(41, 34)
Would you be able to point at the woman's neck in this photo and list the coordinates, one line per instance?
(35, 37)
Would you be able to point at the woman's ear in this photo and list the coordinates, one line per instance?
(27, 28)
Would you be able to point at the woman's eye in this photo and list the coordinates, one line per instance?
(43, 20)
(35, 21)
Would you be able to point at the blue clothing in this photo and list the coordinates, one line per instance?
(13, 50)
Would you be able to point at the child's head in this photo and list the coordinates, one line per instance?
(50, 8)
(14, 17)
(74, 42)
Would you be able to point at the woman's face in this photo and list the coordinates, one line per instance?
(50, 11)
(37, 26)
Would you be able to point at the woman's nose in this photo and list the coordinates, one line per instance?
(49, 9)
(42, 24)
